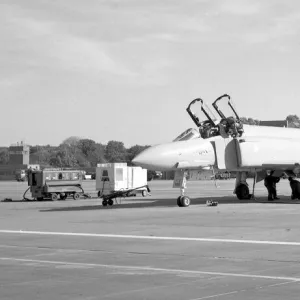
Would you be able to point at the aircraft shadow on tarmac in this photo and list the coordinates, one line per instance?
(172, 203)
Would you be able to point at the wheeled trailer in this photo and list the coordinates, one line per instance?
(118, 177)
(108, 199)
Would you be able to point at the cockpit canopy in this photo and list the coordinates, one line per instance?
(228, 124)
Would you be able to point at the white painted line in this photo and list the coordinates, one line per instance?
(150, 237)
(244, 290)
(150, 269)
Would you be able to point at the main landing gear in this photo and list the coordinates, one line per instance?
(241, 187)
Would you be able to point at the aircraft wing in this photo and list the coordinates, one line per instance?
(295, 167)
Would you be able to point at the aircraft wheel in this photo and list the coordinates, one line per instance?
(104, 202)
(179, 201)
(76, 196)
(242, 192)
(54, 197)
(185, 201)
(110, 202)
(144, 193)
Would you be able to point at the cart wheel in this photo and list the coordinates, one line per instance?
(110, 202)
(54, 197)
(76, 196)
(144, 193)
(104, 202)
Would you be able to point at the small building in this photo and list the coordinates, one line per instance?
(18, 160)
(18, 154)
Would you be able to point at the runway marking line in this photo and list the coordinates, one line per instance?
(244, 290)
(150, 269)
(150, 237)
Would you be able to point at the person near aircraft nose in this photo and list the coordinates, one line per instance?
(270, 183)
(295, 186)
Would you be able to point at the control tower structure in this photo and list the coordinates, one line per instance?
(19, 154)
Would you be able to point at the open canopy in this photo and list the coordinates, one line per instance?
(224, 107)
(202, 113)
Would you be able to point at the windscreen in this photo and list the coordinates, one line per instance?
(188, 134)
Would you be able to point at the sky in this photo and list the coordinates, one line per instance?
(126, 70)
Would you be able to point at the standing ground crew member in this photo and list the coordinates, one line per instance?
(295, 186)
(270, 184)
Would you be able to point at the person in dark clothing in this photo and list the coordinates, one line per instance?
(295, 186)
(270, 184)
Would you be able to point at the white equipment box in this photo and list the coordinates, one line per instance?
(113, 177)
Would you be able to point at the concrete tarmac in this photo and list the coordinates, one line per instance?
(148, 248)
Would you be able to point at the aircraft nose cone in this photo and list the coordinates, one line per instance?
(151, 158)
(182, 154)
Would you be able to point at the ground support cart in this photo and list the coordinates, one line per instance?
(108, 199)
(55, 184)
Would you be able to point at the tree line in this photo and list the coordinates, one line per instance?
(293, 121)
(77, 152)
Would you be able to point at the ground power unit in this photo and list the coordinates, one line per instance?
(116, 177)
(55, 183)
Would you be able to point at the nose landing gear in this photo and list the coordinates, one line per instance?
(183, 201)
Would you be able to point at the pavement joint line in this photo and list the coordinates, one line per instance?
(150, 237)
(151, 269)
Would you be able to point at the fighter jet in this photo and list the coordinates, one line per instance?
(222, 142)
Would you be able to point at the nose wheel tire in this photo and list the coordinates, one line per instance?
(183, 201)
(179, 201)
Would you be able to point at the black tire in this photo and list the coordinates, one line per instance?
(110, 202)
(179, 201)
(39, 198)
(54, 197)
(76, 196)
(185, 201)
(63, 197)
(100, 194)
(242, 192)
(144, 193)
(104, 202)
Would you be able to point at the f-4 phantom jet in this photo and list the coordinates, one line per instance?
(222, 142)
